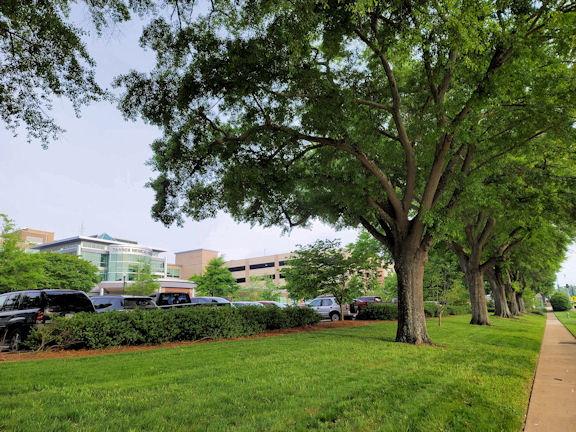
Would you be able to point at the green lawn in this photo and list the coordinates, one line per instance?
(569, 322)
(350, 379)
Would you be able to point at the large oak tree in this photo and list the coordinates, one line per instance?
(355, 113)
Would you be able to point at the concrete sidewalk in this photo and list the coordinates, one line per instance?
(553, 401)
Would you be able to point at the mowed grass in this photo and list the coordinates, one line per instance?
(568, 318)
(349, 379)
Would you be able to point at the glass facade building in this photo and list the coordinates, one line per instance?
(117, 260)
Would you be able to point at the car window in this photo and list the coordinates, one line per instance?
(3, 298)
(30, 300)
(11, 302)
(315, 302)
(138, 303)
(69, 302)
(327, 302)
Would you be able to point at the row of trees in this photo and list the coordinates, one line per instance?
(422, 121)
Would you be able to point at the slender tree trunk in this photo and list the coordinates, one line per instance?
(475, 283)
(501, 308)
(409, 264)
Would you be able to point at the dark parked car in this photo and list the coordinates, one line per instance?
(170, 298)
(362, 302)
(108, 303)
(20, 311)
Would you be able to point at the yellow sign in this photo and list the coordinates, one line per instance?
(573, 298)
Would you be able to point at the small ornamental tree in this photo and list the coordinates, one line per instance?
(216, 280)
(63, 271)
(145, 283)
(324, 268)
(560, 301)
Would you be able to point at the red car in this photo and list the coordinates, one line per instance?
(362, 302)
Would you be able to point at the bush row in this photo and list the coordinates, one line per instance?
(110, 329)
(388, 311)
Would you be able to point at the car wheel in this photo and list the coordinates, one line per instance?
(335, 316)
(15, 340)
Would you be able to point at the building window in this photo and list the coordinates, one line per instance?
(263, 265)
(93, 245)
(281, 263)
(236, 269)
(240, 280)
(96, 259)
(175, 273)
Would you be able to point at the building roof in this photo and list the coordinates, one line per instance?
(92, 239)
(195, 250)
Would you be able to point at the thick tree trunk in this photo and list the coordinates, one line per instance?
(520, 301)
(475, 283)
(513, 303)
(409, 266)
(499, 294)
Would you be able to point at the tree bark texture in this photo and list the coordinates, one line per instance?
(475, 283)
(409, 265)
(520, 301)
(501, 308)
(513, 303)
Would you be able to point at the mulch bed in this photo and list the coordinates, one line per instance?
(85, 352)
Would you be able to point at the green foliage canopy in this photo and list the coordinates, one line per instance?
(323, 268)
(42, 56)
(366, 113)
(63, 271)
(216, 280)
(18, 271)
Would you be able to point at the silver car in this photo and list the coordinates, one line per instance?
(328, 307)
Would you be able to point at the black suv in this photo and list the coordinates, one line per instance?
(20, 311)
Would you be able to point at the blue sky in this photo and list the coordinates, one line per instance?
(92, 179)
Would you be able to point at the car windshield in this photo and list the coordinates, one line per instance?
(69, 302)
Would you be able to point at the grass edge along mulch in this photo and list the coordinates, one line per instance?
(349, 378)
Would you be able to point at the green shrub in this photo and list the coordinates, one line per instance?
(153, 327)
(379, 311)
(387, 311)
(457, 310)
(560, 302)
(431, 309)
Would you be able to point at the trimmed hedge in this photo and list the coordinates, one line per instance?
(110, 329)
(388, 311)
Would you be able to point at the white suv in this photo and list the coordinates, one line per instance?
(329, 308)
